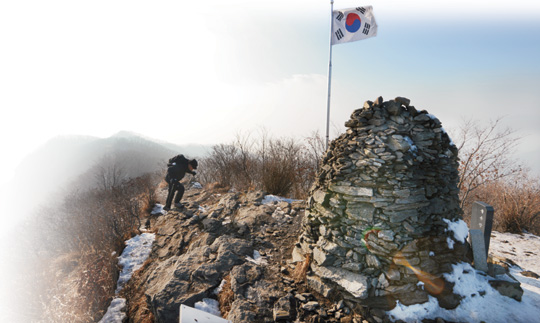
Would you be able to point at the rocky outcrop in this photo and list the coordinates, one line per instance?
(377, 223)
(235, 241)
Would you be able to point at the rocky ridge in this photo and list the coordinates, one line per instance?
(213, 241)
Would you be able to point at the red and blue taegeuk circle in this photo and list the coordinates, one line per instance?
(352, 23)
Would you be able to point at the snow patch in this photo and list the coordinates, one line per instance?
(257, 258)
(460, 229)
(480, 303)
(450, 242)
(158, 209)
(115, 312)
(134, 255)
(451, 141)
(209, 305)
(413, 149)
(196, 185)
(220, 287)
(268, 199)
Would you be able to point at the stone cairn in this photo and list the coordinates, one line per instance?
(376, 225)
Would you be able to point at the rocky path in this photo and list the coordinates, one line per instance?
(235, 241)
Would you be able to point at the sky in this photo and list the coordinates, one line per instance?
(202, 72)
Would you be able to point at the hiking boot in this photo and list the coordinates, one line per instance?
(179, 205)
(166, 208)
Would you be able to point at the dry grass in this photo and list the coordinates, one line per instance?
(226, 297)
(300, 272)
(516, 203)
(138, 307)
(217, 187)
(162, 185)
(79, 286)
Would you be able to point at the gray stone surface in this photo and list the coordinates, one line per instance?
(383, 188)
(354, 283)
(479, 250)
(283, 308)
(316, 284)
(508, 287)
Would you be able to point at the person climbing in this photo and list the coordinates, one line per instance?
(178, 166)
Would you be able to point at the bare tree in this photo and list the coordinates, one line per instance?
(109, 173)
(247, 163)
(279, 166)
(219, 164)
(486, 156)
(315, 148)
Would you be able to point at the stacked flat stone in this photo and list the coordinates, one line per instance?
(375, 224)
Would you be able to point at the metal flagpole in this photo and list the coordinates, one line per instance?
(329, 75)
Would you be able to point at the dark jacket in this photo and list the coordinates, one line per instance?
(178, 167)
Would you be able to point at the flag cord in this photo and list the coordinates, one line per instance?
(329, 77)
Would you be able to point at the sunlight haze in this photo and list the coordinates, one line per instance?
(200, 72)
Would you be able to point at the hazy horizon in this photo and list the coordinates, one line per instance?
(202, 72)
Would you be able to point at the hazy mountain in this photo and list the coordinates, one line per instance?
(190, 150)
(62, 160)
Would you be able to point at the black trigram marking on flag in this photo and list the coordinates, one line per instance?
(339, 34)
(339, 16)
(361, 9)
(366, 29)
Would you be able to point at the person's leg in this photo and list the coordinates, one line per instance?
(179, 194)
(170, 195)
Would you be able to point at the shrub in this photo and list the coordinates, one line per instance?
(279, 166)
(516, 202)
(75, 247)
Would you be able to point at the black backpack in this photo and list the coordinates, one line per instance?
(178, 159)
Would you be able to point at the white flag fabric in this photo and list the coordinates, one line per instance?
(353, 24)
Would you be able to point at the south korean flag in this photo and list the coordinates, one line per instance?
(353, 24)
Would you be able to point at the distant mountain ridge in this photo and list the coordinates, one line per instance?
(61, 160)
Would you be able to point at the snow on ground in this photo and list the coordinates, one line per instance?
(257, 258)
(134, 255)
(274, 198)
(158, 209)
(115, 312)
(489, 305)
(209, 305)
(523, 249)
(132, 258)
(196, 185)
(460, 230)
